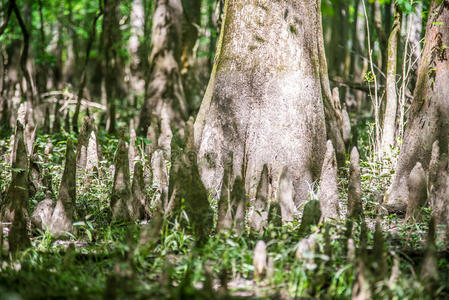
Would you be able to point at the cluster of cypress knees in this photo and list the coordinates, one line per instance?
(131, 202)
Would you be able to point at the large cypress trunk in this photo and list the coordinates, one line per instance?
(264, 99)
(429, 116)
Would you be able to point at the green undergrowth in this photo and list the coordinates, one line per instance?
(101, 258)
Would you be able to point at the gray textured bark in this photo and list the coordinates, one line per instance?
(415, 23)
(224, 221)
(121, 197)
(83, 143)
(417, 192)
(285, 197)
(140, 196)
(185, 183)
(355, 208)
(389, 123)
(263, 102)
(259, 215)
(137, 24)
(93, 153)
(165, 85)
(238, 197)
(190, 69)
(311, 216)
(112, 71)
(133, 152)
(17, 193)
(429, 116)
(328, 186)
(438, 183)
(17, 196)
(41, 216)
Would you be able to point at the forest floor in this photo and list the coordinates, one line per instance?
(103, 260)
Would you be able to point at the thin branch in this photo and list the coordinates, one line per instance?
(364, 87)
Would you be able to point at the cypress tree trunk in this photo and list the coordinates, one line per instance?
(429, 115)
(264, 102)
(389, 124)
(112, 72)
(165, 85)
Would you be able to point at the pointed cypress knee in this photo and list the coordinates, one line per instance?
(42, 214)
(150, 234)
(17, 195)
(379, 262)
(29, 137)
(57, 121)
(133, 152)
(361, 289)
(166, 134)
(186, 183)
(238, 197)
(35, 175)
(224, 221)
(429, 268)
(92, 153)
(355, 208)
(329, 188)
(432, 177)
(64, 212)
(259, 217)
(433, 164)
(417, 192)
(260, 260)
(285, 199)
(141, 205)
(310, 216)
(346, 126)
(83, 142)
(160, 178)
(121, 197)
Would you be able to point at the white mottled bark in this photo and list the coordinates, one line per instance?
(264, 100)
(136, 22)
(429, 114)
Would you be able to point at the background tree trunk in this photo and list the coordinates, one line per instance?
(429, 116)
(389, 123)
(263, 101)
(165, 85)
(112, 71)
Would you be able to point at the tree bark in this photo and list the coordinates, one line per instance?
(381, 34)
(189, 60)
(389, 123)
(165, 85)
(137, 26)
(111, 47)
(83, 81)
(429, 115)
(264, 102)
(29, 94)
